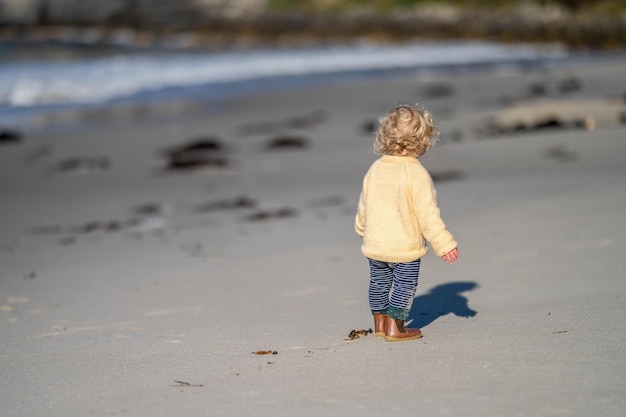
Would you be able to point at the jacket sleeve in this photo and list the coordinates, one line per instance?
(429, 216)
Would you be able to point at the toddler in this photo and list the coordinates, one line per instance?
(397, 215)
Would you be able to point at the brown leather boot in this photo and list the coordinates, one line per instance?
(396, 332)
(380, 324)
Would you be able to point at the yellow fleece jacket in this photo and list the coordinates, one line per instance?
(398, 212)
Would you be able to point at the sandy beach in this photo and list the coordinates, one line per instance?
(139, 277)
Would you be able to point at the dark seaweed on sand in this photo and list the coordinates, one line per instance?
(445, 176)
(265, 352)
(356, 334)
(241, 202)
(369, 126)
(437, 90)
(149, 209)
(325, 202)
(199, 153)
(555, 87)
(288, 142)
(8, 136)
(265, 215)
(560, 154)
(294, 122)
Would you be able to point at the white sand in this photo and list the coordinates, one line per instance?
(104, 323)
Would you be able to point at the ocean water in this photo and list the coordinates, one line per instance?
(43, 79)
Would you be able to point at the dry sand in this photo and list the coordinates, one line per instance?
(119, 278)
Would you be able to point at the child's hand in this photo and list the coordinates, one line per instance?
(451, 257)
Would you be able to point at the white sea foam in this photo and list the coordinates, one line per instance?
(24, 85)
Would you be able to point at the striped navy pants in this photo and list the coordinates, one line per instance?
(392, 287)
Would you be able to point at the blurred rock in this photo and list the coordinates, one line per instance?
(553, 114)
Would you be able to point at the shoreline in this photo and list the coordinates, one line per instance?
(185, 104)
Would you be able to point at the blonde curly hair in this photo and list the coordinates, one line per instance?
(406, 131)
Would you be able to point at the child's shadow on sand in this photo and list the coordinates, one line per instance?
(441, 300)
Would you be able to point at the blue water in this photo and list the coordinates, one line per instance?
(82, 77)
